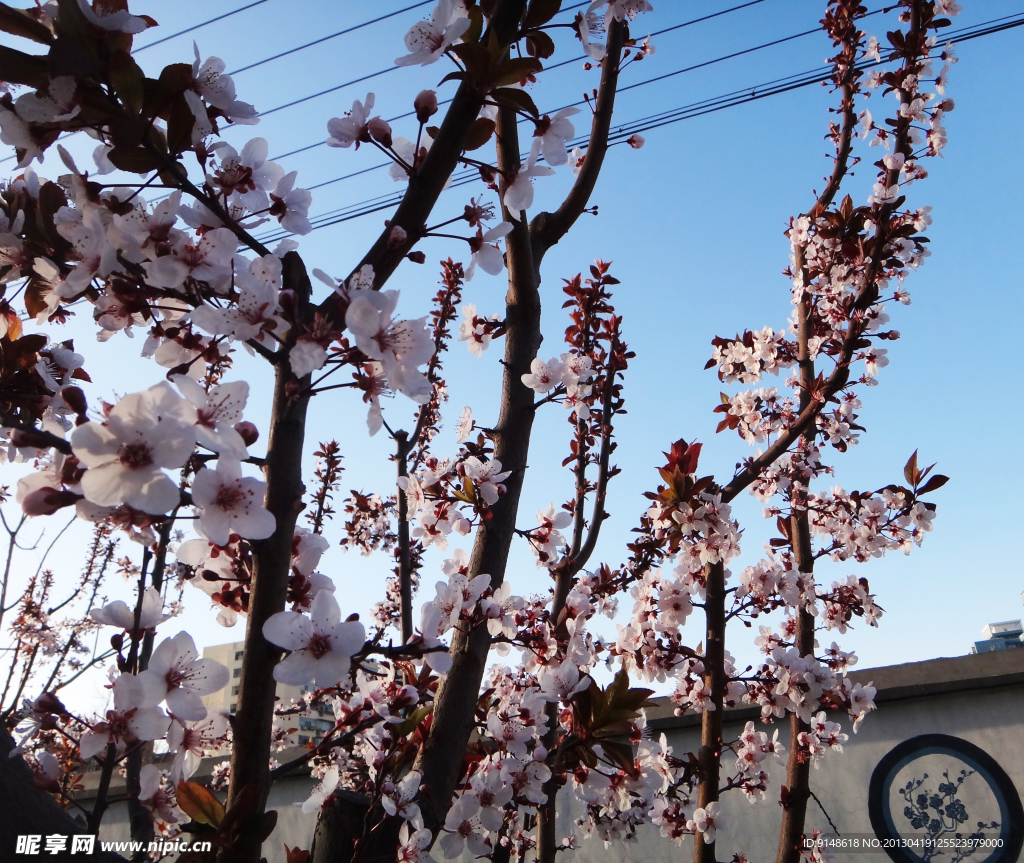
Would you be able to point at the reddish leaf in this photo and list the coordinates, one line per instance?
(937, 481)
(540, 12)
(910, 470)
(199, 804)
(516, 98)
(28, 69)
(479, 133)
(539, 44)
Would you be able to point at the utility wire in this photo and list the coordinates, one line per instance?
(323, 142)
(583, 102)
(553, 66)
(322, 39)
(656, 121)
(277, 56)
(197, 26)
(166, 39)
(392, 68)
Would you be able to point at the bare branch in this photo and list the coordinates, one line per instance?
(547, 229)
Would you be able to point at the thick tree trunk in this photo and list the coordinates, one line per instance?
(250, 755)
(794, 803)
(709, 755)
(798, 767)
(455, 705)
(441, 757)
(338, 828)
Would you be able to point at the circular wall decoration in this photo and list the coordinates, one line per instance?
(940, 799)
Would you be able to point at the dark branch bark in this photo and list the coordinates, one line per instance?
(798, 766)
(581, 557)
(455, 706)
(456, 699)
(710, 753)
(404, 559)
(547, 229)
(250, 756)
(139, 816)
(175, 167)
(427, 183)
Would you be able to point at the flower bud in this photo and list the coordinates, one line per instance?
(74, 398)
(425, 105)
(636, 141)
(380, 131)
(539, 753)
(417, 257)
(46, 501)
(250, 434)
(50, 703)
(287, 300)
(397, 237)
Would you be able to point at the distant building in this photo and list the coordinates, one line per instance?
(1000, 636)
(302, 729)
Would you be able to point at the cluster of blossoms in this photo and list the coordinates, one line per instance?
(439, 492)
(692, 691)
(545, 724)
(566, 379)
(224, 573)
(175, 678)
(748, 357)
(862, 526)
(477, 330)
(546, 539)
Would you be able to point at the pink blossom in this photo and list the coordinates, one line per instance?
(185, 676)
(321, 645)
(229, 503)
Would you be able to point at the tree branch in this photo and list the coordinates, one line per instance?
(250, 756)
(710, 753)
(547, 229)
(428, 181)
(455, 706)
(181, 175)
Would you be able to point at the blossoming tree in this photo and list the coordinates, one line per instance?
(430, 752)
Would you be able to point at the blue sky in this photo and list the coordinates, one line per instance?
(694, 225)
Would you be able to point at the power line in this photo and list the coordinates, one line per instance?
(197, 26)
(392, 68)
(282, 54)
(656, 121)
(165, 39)
(329, 37)
(674, 27)
(553, 66)
(582, 102)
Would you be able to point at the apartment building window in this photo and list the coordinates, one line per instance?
(237, 672)
(303, 740)
(233, 707)
(234, 690)
(238, 654)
